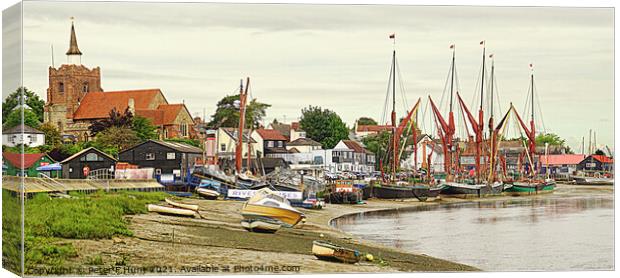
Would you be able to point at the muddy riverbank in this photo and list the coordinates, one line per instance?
(217, 244)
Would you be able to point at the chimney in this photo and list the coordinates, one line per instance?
(132, 106)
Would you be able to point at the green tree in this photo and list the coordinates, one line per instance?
(115, 139)
(551, 138)
(377, 143)
(53, 138)
(599, 152)
(15, 118)
(323, 126)
(114, 119)
(227, 114)
(30, 98)
(366, 121)
(144, 129)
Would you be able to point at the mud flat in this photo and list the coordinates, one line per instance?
(217, 244)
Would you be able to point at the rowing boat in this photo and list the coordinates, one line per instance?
(331, 252)
(171, 211)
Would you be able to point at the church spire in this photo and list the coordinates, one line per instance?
(73, 54)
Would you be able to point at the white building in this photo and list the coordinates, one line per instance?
(23, 134)
(226, 145)
(426, 147)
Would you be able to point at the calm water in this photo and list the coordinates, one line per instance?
(553, 232)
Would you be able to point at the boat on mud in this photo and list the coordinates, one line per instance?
(172, 211)
(583, 180)
(529, 187)
(261, 225)
(330, 252)
(267, 204)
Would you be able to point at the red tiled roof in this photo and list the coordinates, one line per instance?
(602, 158)
(373, 128)
(15, 159)
(156, 116)
(559, 159)
(97, 105)
(171, 111)
(271, 134)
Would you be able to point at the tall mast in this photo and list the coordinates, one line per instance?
(532, 123)
(394, 147)
(239, 147)
(491, 96)
(448, 156)
(480, 115)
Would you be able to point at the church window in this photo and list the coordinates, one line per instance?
(85, 87)
(184, 129)
(61, 87)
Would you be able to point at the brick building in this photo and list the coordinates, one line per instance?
(75, 99)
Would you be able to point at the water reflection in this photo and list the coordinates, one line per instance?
(537, 233)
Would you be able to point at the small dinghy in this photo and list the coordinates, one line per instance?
(264, 225)
(171, 211)
(331, 252)
(208, 193)
(181, 205)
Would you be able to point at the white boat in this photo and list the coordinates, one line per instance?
(267, 204)
(181, 205)
(171, 211)
(265, 225)
(208, 193)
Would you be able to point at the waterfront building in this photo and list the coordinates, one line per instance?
(172, 161)
(22, 134)
(595, 162)
(226, 144)
(88, 162)
(14, 163)
(273, 142)
(560, 165)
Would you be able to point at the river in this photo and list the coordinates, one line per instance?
(572, 229)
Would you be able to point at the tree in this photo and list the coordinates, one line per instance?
(14, 118)
(366, 121)
(323, 126)
(377, 143)
(115, 139)
(599, 152)
(32, 100)
(144, 129)
(227, 114)
(53, 138)
(114, 119)
(551, 138)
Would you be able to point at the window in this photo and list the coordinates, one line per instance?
(33, 138)
(61, 87)
(280, 144)
(91, 157)
(150, 156)
(302, 134)
(170, 156)
(12, 138)
(223, 147)
(85, 87)
(270, 144)
(184, 129)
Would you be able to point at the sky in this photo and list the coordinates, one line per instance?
(337, 56)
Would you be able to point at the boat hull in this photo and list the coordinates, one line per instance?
(592, 181)
(261, 225)
(207, 193)
(288, 218)
(171, 211)
(420, 192)
(525, 188)
(329, 252)
(462, 190)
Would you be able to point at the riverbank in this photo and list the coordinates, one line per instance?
(217, 243)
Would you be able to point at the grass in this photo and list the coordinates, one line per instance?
(94, 216)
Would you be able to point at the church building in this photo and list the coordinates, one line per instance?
(75, 99)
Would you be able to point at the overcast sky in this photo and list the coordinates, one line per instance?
(336, 57)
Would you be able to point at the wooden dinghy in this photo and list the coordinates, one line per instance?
(208, 193)
(331, 252)
(261, 225)
(171, 211)
(181, 205)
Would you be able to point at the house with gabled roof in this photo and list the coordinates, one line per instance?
(14, 163)
(272, 142)
(226, 143)
(596, 162)
(87, 162)
(22, 134)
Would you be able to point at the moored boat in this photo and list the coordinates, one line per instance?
(181, 205)
(261, 225)
(267, 204)
(583, 180)
(207, 193)
(171, 211)
(331, 252)
(530, 187)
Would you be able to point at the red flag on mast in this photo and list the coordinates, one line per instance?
(392, 36)
(481, 42)
(451, 46)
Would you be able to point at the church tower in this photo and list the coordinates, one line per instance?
(68, 85)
